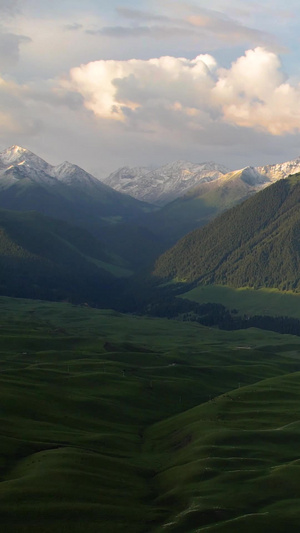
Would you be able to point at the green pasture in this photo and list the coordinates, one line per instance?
(249, 301)
(233, 464)
(118, 423)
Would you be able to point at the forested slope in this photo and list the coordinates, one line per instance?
(49, 259)
(254, 244)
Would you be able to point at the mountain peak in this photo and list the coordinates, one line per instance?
(17, 155)
(64, 167)
(12, 154)
(15, 148)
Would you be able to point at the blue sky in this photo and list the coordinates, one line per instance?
(124, 83)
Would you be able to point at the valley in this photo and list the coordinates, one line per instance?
(149, 267)
(149, 384)
(139, 424)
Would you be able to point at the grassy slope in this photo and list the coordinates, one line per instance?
(232, 464)
(80, 392)
(248, 301)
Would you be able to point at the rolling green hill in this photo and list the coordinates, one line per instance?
(232, 464)
(255, 244)
(120, 423)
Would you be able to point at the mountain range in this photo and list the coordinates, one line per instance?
(174, 180)
(164, 184)
(66, 191)
(198, 192)
(132, 234)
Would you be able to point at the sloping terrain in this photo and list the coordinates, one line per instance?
(191, 195)
(117, 423)
(67, 192)
(255, 244)
(232, 464)
(46, 258)
(205, 202)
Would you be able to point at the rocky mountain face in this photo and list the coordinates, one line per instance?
(166, 183)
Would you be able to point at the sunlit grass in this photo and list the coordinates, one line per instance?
(270, 302)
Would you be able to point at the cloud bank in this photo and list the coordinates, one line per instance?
(191, 93)
(114, 89)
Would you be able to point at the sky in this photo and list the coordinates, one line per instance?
(111, 84)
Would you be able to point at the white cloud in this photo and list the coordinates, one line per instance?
(252, 93)
(154, 111)
(111, 88)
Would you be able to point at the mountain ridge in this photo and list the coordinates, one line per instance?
(164, 184)
(66, 191)
(180, 178)
(255, 244)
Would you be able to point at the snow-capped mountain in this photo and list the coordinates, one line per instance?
(280, 170)
(164, 184)
(75, 177)
(257, 178)
(126, 177)
(17, 163)
(18, 156)
(249, 178)
(252, 177)
(176, 179)
(65, 191)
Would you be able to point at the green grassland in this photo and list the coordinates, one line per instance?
(249, 301)
(235, 461)
(113, 423)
